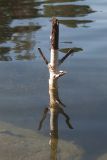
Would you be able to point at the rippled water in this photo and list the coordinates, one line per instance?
(25, 25)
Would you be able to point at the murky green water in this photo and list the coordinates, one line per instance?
(25, 25)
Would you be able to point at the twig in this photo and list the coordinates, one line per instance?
(42, 55)
(71, 51)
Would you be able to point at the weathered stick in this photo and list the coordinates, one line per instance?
(53, 70)
(42, 55)
(54, 48)
(67, 54)
(55, 103)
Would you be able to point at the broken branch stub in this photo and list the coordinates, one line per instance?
(70, 52)
(43, 56)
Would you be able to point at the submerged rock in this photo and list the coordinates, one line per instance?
(24, 144)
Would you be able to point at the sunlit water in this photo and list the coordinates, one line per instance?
(25, 26)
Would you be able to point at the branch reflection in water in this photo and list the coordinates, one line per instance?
(54, 114)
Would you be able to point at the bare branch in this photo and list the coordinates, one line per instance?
(71, 51)
(42, 55)
(43, 118)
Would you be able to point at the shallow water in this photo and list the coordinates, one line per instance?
(25, 26)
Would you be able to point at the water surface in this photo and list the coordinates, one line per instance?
(25, 26)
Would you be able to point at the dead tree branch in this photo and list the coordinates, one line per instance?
(71, 51)
(42, 55)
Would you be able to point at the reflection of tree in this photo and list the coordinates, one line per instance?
(74, 23)
(22, 37)
(26, 9)
(18, 9)
(67, 10)
(3, 54)
(10, 10)
(65, 50)
(55, 1)
(5, 32)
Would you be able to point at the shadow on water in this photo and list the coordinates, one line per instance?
(17, 42)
